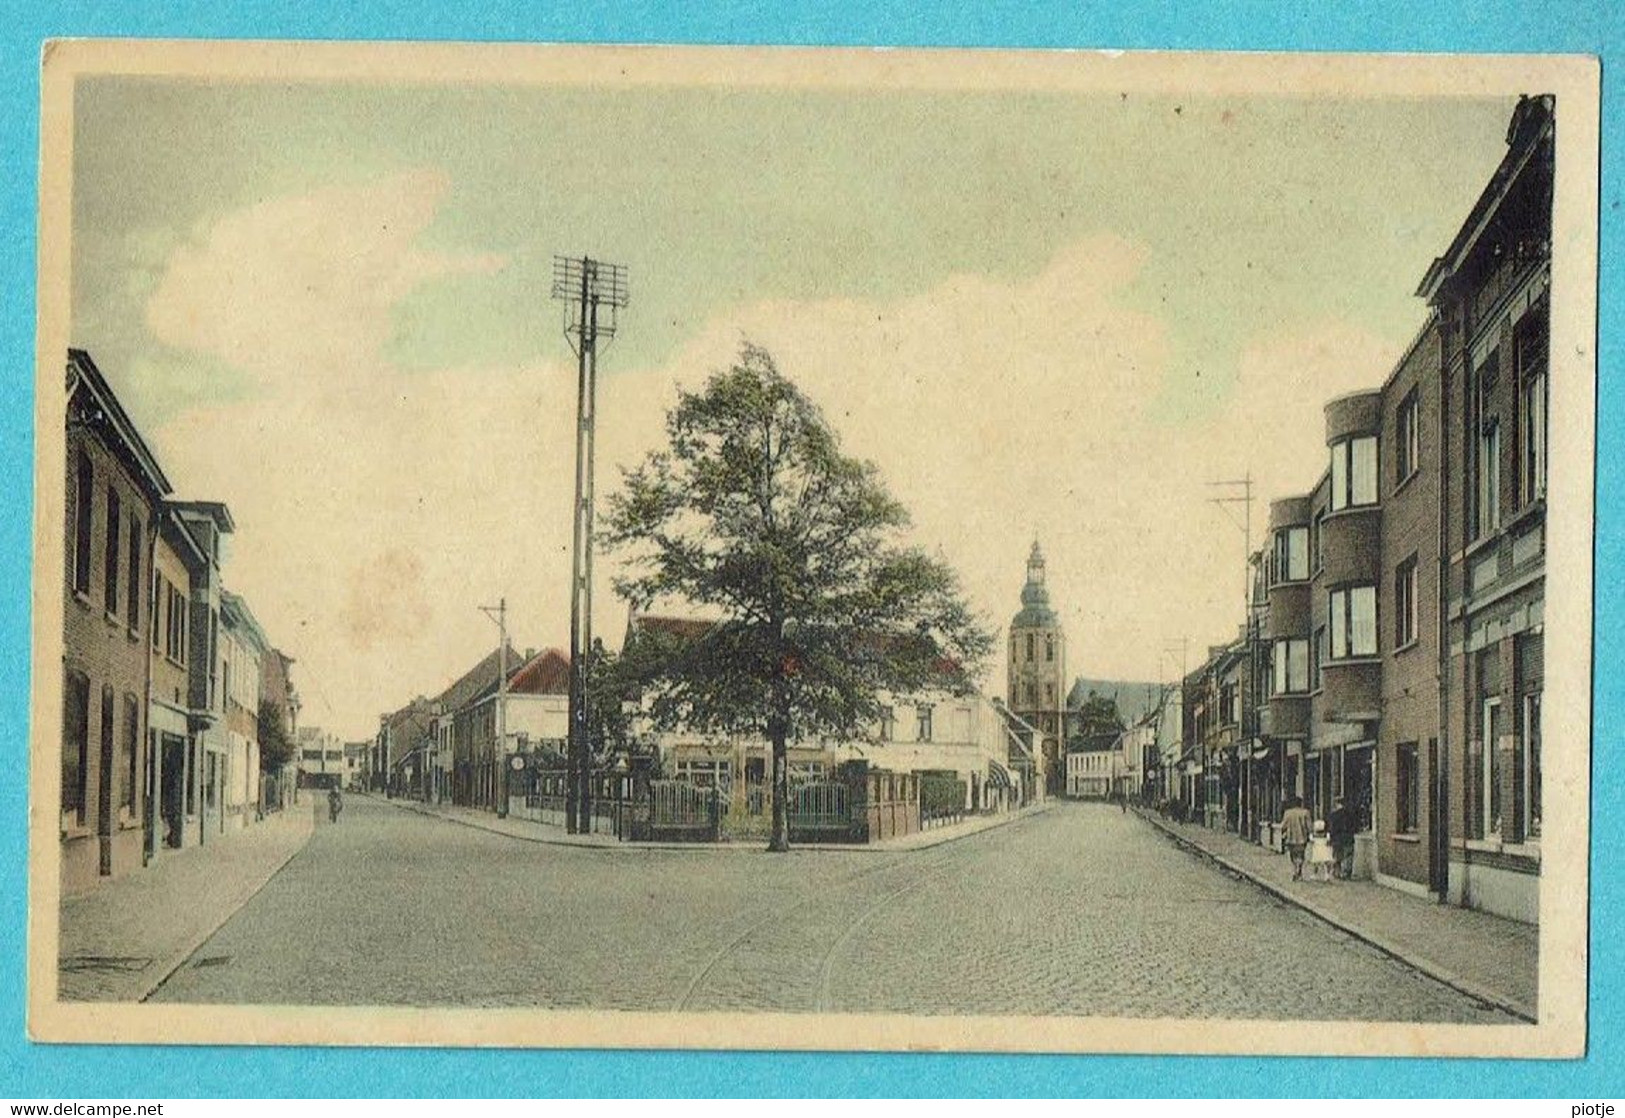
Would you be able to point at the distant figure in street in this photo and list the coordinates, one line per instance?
(1295, 827)
(1122, 802)
(335, 804)
(1341, 825)
(1320, 854)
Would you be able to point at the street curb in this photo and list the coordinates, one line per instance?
(173, 962)
(1433, 970)
(727, 847)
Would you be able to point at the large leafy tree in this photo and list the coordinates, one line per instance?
(276, 746)
(753, 513)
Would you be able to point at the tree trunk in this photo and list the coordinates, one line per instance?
(780, 840)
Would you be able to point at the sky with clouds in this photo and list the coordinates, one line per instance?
(1050, 314)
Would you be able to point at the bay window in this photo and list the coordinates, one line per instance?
(1354, 472)
(1290, 663)
(1291, 555)
(1353, 622)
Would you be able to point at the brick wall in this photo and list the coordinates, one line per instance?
(105, 668)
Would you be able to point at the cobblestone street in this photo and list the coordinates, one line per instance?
(1043, 916)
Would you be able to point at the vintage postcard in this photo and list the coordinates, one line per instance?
(634, 546)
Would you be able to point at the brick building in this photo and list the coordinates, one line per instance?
(115, 489)
(1490, 292)
(1405, 591)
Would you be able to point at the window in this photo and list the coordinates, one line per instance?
(104, 769)
(176, 646)
(1353, 617)
(1408, 777)
(1405, 603)
(1290, 662)
(111, 556)
(1489, 805)
(1530, 348)
(888, 723)
(1317, 656)
(1049, 694)
(923, 726)
(83, 511)
(191, 776)
(159, 595)
(1354, 473)
(75, 745)
(1529, 661)
(133, 594)
(1531, 765)
(1484, 460)
(1228, 707)
(132, 752)
(1408, 436)
(1488, 491)
(1317, 532)
(1049, 646)
(1029, 648)
(1291, 555)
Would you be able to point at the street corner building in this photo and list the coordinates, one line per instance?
(163, 668)
(1393, 659)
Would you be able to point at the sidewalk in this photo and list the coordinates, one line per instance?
(120, 940)
(1486, 957)
(552, 835)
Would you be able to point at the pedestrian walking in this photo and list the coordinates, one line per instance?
(1341, 826)
(335, 804)
(1295, 827)
(1320, 854)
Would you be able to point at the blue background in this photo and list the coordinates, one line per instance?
(1578, 26)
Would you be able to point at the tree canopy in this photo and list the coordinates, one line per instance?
(276, 747)
(753, 515)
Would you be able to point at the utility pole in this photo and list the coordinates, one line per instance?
(593, 293)
(499, 777)
(1240, 492)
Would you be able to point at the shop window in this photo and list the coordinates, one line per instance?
(1489, 799)
(1531, 764)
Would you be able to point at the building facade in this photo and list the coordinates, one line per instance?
(115, 490)
(1404, 593)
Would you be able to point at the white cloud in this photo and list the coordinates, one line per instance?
(378, 508)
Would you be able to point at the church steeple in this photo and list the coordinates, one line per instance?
(1037, 666)
(1035, 608)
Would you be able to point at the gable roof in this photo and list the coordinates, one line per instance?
(87, 379)
(546, 673)
(472, 684)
